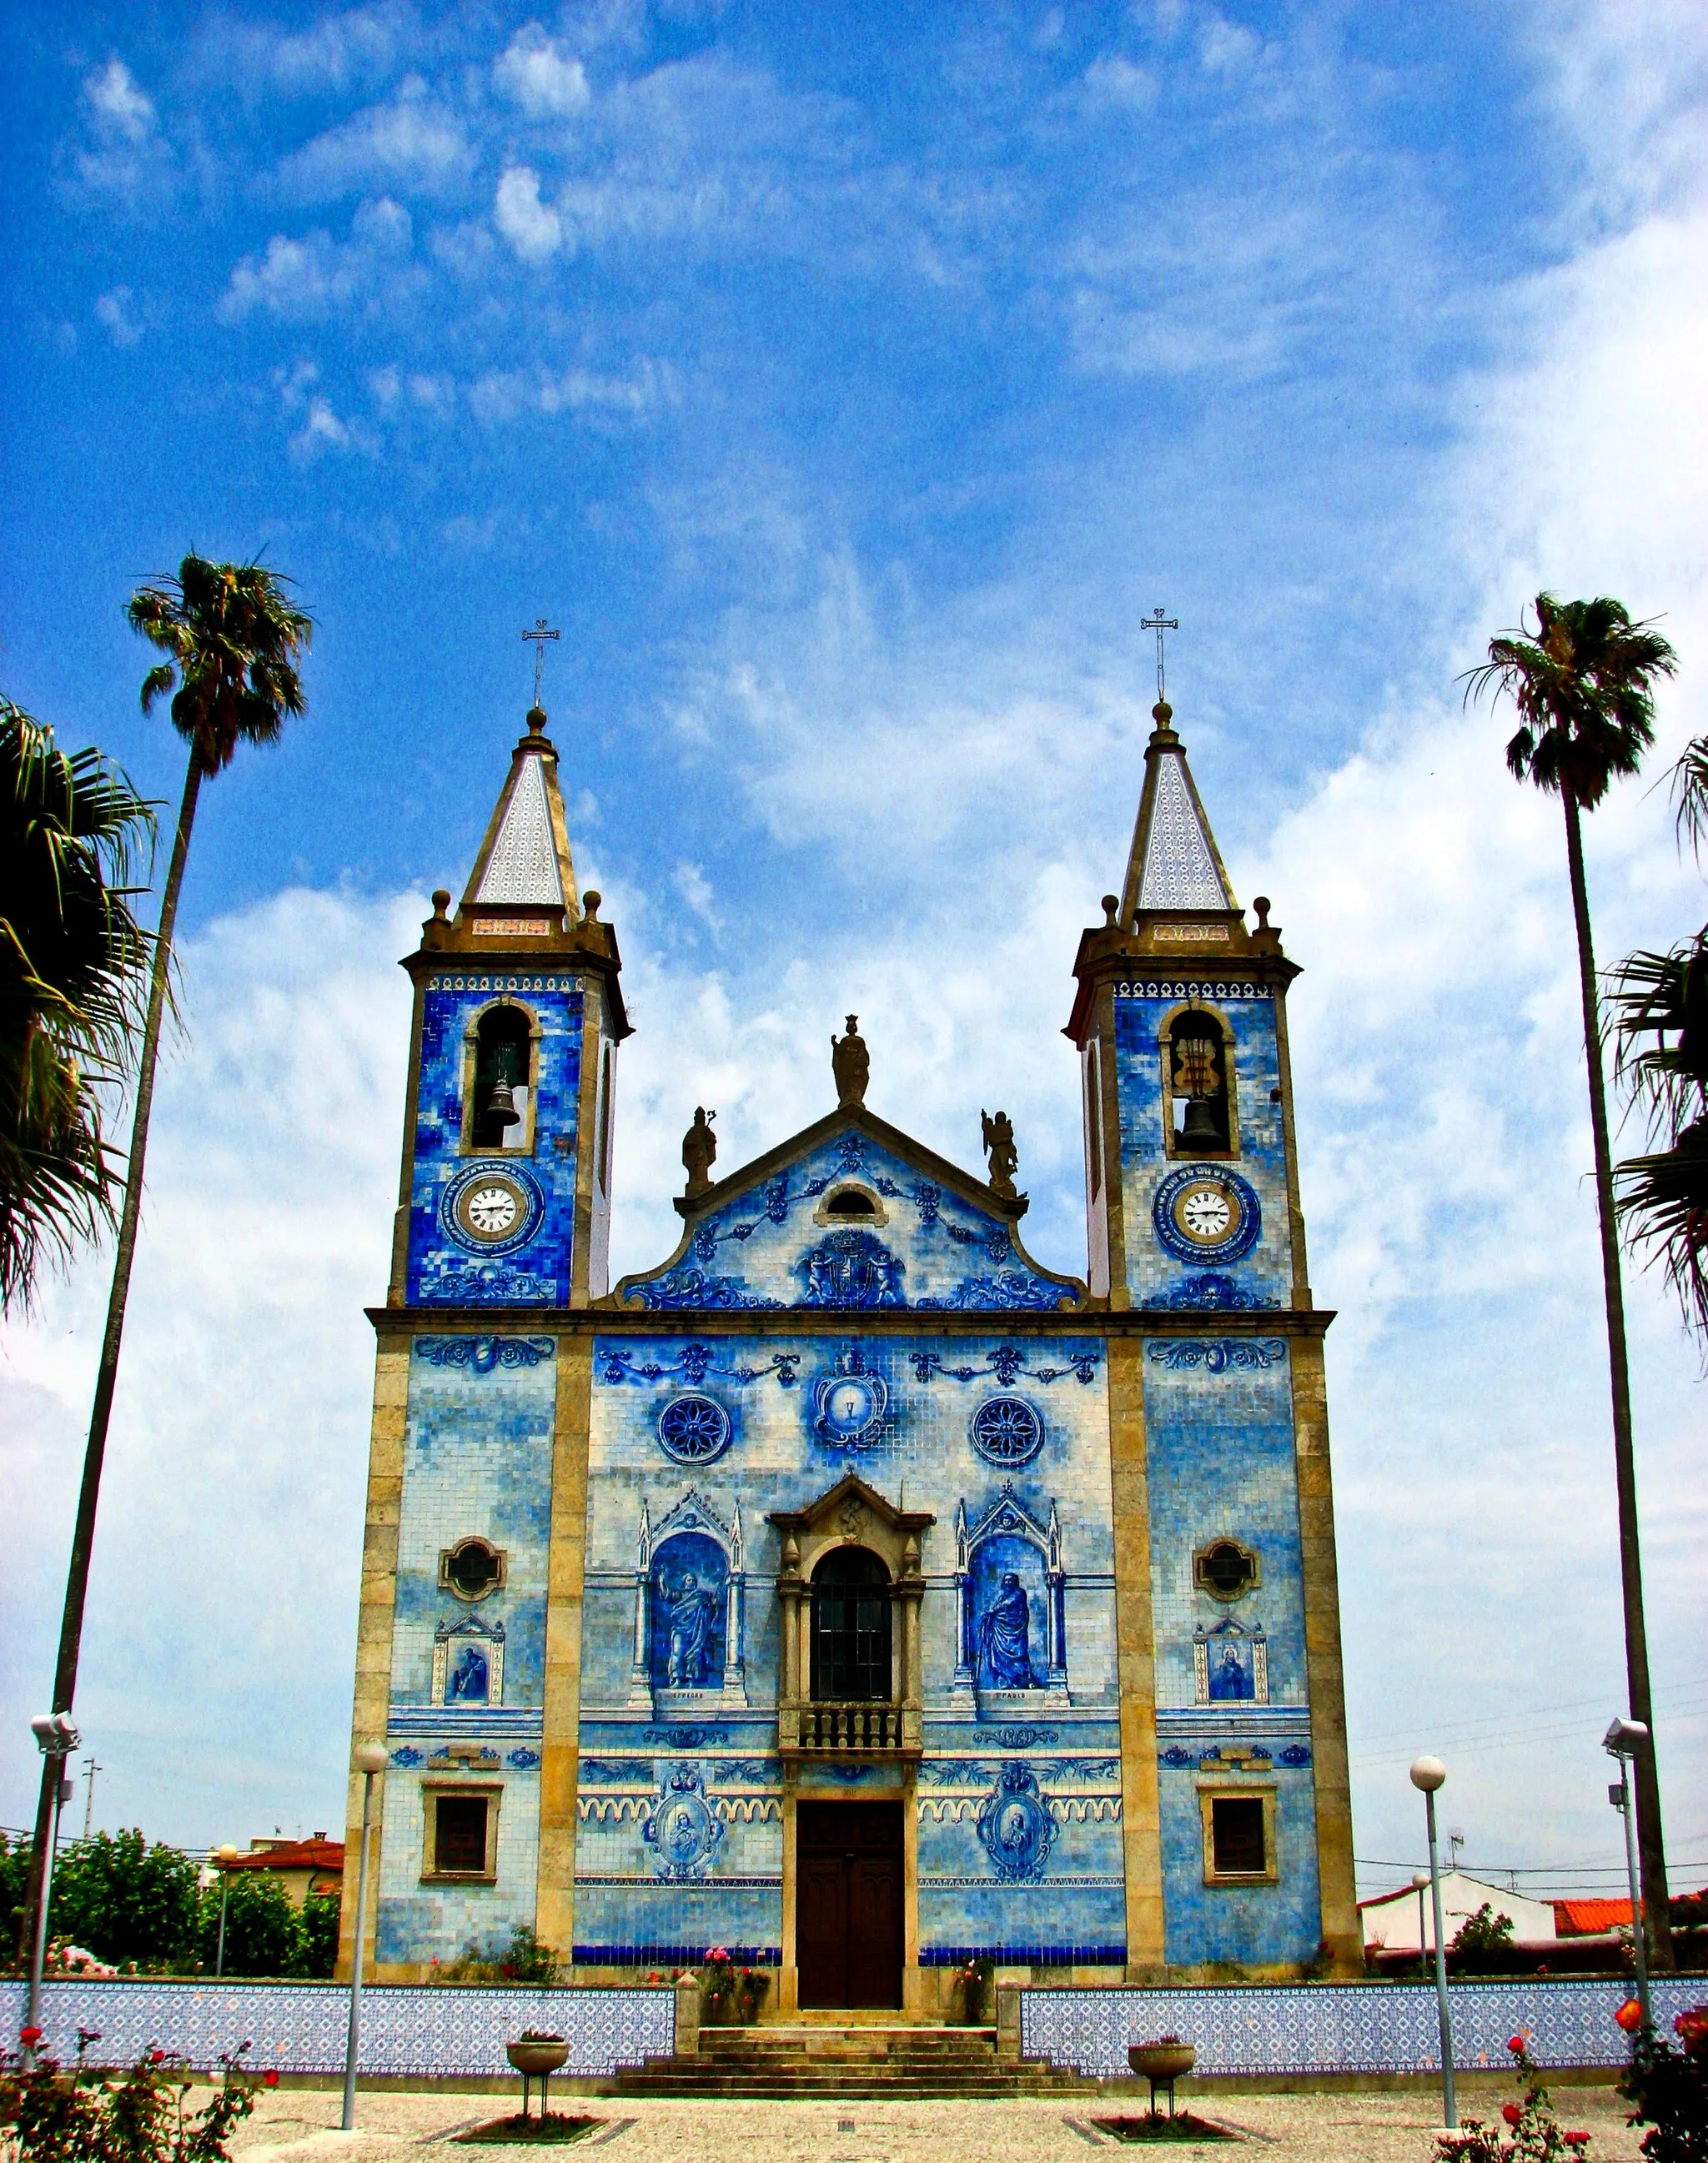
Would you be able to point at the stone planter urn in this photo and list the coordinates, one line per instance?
(536, 2059)
(1161, 2062)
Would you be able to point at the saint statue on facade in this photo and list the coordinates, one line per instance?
(1003, 1633)
(699, 1149)
(999, 1147)
(688, 1610)
(850, 1064)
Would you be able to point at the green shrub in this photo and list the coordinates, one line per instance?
(1483, 1945)
(316, 1937)
(261, 1931)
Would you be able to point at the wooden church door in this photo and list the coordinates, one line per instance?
(848, 1903)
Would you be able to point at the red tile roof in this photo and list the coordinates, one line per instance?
(1581, 1919)
(294, 1855)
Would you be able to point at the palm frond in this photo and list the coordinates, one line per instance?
(234, 639)
(1662, 1202)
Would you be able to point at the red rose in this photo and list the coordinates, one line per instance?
(271, 2078)
(157, 2057)
(1577, 2140)
(1511, 2113)
(1629, 2015)
(1515, 2043)
(29, 2037)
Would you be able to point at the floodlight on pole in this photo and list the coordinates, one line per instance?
(57, 1738)
(224, 1857)
(370, 1761)
(1427, 1775)
(1623, 1740)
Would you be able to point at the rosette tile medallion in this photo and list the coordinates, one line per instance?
(851, 1589)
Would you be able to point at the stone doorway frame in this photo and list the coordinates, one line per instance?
(851, 1514)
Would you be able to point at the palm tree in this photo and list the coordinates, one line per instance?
(1583, 684)
(1663, 1194)
(73, 963)
(232, 639)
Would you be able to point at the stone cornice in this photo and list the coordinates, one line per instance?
(844, 1323)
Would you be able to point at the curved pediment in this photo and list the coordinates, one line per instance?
(852, 1215)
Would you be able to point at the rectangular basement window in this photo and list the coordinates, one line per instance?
(1239, 1845)
(462, 1833)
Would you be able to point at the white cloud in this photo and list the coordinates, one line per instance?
(506, 394)
(127, 157)
(539, 75)
(306, 280)
(695, 888)
(1114, 79)
(413, 143)
(117, 314)
(318, 427)
(122, 111)
(533, 228)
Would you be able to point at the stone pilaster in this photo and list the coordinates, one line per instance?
(1333, 1784)
(1141, 1821)
(379, 1601)
(560, 1747)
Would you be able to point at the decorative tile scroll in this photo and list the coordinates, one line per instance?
(301, 2027)
(1335, 2028)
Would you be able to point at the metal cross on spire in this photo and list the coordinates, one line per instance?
(539, 635)
(1158, 623)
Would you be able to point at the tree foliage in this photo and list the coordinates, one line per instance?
(232, 639)
(74, 966)
(123, 1901)
(1583, 684)
(1483, 1945)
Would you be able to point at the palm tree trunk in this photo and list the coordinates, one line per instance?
(106, 1375)
(1650, 1845)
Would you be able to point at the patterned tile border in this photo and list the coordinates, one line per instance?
(301, 2027)
(1334, 2028)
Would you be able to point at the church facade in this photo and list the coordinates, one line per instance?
(849, 1591)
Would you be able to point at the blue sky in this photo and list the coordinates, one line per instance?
(846, 383)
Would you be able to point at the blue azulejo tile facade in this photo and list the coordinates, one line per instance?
(452, 1260)
(850, 1590)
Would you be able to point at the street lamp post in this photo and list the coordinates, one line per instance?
(370, 1761)
(1427, 1774)
(226, 1856)
(1420, 1886)
(56, 1738)
(1622, 1742)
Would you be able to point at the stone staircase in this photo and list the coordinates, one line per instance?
(856, 2062)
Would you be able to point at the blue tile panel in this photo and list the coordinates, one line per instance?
(1262, 1277)
(445, 1267)
(301, 2027)
(925, 1248)
(1341, 2027)
(476, 1462)
(1219, 1441)
(1019, 1794)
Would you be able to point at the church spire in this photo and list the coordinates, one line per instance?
(524, 860)
(1174, 863)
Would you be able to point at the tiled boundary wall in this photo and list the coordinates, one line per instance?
(447, 2030)
(1342, 2027)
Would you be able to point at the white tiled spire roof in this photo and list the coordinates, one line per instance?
(523, 866)
(1180, 869)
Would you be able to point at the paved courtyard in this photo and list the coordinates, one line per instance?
(1315, 2129)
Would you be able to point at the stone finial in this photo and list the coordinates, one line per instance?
(442, 902)
(590, 902)
(699, 1148)
(536, 720)
(850, 1064)
(1111, 910)
(1004, 1157)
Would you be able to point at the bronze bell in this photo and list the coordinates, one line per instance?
(500, 1105)
(1201, 1129)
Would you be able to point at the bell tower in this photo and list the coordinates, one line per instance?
(1180, 1018)
(505, 1195)
(1231, 1705)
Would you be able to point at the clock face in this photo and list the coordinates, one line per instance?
(491, 1209)
(1207, 1212)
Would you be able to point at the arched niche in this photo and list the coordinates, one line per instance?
(500, 1042)
(690, 1611)
(1010, 1609)
(1196, 1051)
